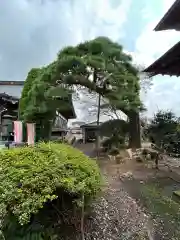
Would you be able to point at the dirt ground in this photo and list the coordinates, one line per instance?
(131, 177)
(122, 212)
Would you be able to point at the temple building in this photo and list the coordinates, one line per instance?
(169, 63)
(10, 93)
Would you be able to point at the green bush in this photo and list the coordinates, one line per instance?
(114, 142)
(31, 177)
(164, 132)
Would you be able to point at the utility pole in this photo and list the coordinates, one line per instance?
(98, 118)
(103, 85)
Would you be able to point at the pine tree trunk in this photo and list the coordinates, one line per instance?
(134, 131)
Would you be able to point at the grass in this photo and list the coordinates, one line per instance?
(160, 204)
(162, 207)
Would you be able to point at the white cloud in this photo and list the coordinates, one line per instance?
(33, 31)
(150, 45)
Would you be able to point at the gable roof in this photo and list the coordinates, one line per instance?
(8, 98)
(171, 20)
(167, 64)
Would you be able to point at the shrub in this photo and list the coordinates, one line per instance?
(31, 177)
(114, 127)
(164, 132)
(114, 142)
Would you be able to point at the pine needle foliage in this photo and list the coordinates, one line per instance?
(100, 65)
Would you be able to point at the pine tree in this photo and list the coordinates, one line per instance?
(99, 65)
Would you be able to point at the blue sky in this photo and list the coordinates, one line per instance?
(33, 31)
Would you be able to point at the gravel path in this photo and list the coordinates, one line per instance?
(119, 218)
(116, 215)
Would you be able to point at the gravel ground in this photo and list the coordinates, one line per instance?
(117, 216)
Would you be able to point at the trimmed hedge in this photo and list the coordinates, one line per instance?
(30, 177)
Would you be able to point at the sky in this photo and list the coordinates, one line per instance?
(33, 31)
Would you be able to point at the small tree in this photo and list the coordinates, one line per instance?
(115, 132)
(114, 127)
(164, 131)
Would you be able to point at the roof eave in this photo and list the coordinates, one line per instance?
(163, 25)
(158, 66)
(159, 28)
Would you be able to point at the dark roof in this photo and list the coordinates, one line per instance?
(8, 104)
(168, 64)
(79, 123)
(171, 19)
(16, 83)
(8, 98)
(92, 124)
